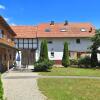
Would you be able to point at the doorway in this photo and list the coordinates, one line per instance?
(28, 57)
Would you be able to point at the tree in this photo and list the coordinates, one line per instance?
(1, 89)
(94, 48)
(44, 64)
(94, 60)
(65, 58)
(43, 51)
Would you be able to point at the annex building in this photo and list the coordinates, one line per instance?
(28, 39)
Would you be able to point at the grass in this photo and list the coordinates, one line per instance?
(72, 72)
(70, 89)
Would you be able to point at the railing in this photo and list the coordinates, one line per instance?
(7, 42)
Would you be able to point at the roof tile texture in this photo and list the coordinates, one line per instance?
(72, 30)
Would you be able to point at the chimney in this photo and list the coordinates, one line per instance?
(66, 22)
(52, 23)
(90, 29)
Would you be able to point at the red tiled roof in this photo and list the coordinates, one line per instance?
(25, 31)
(73, 30)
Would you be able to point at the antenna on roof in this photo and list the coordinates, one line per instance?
(52, 23)
(66, 22)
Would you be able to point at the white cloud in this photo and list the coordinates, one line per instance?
(7, 19)
(13, 24)
(2, 7)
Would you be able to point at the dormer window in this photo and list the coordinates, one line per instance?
(83, 30)
(63, 30)
(47, 30)
(1, 33)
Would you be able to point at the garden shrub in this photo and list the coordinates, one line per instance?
(1, 90)
(84, 62)
(73, 62)
(43, 66)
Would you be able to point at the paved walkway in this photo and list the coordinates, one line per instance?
(40, 76)
(81, 77)
(23, 86)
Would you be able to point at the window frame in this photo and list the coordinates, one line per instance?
(83, 30)
(1, 33)
(78, 41)
(47, 30)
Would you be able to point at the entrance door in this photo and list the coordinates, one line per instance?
(28, 57)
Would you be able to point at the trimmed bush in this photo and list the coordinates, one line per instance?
(43, 66)
(65, 59)
(1, 90)
(84, 62)
(73, 62)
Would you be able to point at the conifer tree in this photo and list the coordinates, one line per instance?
(65, 59)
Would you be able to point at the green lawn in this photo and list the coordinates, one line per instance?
(72, 72)
(70, 89)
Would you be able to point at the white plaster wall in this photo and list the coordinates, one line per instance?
(58, 44)
(98, 55)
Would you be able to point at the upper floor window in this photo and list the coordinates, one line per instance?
(83, 30)
(50, 42)
(1, 34)
(78, 41)
(63, 30)
(48, 30)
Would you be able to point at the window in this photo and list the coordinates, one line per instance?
(50, 42)
(47, 30)
(78, 41)
(63, 30)
(52, 53)
(1, 34)
(83, 30)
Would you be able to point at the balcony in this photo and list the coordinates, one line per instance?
(7, 42)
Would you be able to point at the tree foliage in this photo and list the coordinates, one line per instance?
(94, 48)
(1, 90)
(44, 64)
(65, 59)
(43, 51)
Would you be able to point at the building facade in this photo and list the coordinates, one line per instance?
(7, 49)
(28, 40)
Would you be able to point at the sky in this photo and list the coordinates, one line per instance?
(33, 12)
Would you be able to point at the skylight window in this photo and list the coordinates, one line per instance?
(63, 30)
(47, 30)
(83, 30)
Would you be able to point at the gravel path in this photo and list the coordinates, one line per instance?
(21, 88)
(40, 76)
